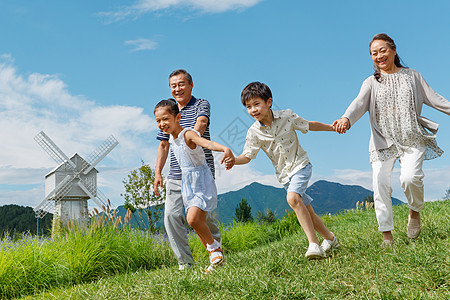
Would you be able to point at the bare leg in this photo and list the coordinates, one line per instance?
(295, 202)
(318, 224)
(387, 236)
(414, 214)
(197, 219)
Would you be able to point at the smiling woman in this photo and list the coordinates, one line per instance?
(384, 55)
(394, 97)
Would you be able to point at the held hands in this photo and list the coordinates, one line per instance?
(228, 158)
(341, 125)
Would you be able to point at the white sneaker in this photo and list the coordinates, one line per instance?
(328, 245)
(209, 269)
(315, 251)
(183, 267)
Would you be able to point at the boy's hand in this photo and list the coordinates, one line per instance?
(341, 125)
(228, 158)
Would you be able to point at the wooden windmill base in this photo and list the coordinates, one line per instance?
(70, 213)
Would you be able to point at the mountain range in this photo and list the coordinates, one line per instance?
(329, 197)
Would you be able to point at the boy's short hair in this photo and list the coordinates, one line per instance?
(255, 90)
(181, 71)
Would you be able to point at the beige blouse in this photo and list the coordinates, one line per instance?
(396, 117)
(409, 89)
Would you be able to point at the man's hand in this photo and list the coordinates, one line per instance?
(158, 183)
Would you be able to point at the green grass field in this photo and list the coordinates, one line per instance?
(261, 266)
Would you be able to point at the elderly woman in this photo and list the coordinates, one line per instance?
(394, 96)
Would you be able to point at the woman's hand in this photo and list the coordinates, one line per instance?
(341, 125)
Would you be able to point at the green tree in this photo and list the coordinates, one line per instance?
(139, 195)
(368, 199)
(447, 194)
(268, 218)
(243, 212)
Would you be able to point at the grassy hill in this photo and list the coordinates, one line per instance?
(360, 269)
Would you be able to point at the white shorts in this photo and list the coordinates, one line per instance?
(298, 183)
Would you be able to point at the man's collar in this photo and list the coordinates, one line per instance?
(190, 103)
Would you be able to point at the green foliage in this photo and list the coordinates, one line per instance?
(139, 195)
(243, 212)
(368, 199)
(16, 220)
(288, 225)
(77, 256)
(359, 269)
(259, 263)
(268, 218)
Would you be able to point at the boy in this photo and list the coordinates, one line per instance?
(274, 133)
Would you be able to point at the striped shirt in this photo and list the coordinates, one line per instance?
(189, 115)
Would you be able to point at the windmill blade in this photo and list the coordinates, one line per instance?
(95, 157)
(50, 147)
(98, 197)
(62, 189)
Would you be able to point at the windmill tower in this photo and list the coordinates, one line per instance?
(71, 183)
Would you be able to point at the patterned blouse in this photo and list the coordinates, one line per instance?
(396, 116)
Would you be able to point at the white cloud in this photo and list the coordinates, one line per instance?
(38, 102)
(205, 6)
(142, 44)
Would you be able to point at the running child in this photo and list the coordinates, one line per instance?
(274, 133)
(198, 188)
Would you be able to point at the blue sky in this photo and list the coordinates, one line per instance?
(82, 70)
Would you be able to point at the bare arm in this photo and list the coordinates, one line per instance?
(242, 160)
(192, 137)
(161, 157)
(201, 124)
(318, 126)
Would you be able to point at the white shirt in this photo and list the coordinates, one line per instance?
(280, 143)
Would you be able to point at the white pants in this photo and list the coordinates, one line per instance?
(411, 176)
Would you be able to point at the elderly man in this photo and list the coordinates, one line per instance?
(195, 113)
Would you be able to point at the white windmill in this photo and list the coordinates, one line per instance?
(71, 183)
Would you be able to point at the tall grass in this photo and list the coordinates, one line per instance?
(75, 256)
(262, 262)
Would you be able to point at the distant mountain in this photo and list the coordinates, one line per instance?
(329, 197)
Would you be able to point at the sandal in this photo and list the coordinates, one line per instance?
(413, 228)
(216, 256)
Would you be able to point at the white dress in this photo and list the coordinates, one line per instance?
(198, 187)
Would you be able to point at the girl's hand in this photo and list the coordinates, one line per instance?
(228, 158)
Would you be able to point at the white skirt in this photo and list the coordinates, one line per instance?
(199, 188)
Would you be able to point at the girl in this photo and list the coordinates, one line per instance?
(198, 187)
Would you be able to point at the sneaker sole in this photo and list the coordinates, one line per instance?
(315, 256)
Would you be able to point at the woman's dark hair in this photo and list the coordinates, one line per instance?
(255, 90)
(170, 104)
(391, 44)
